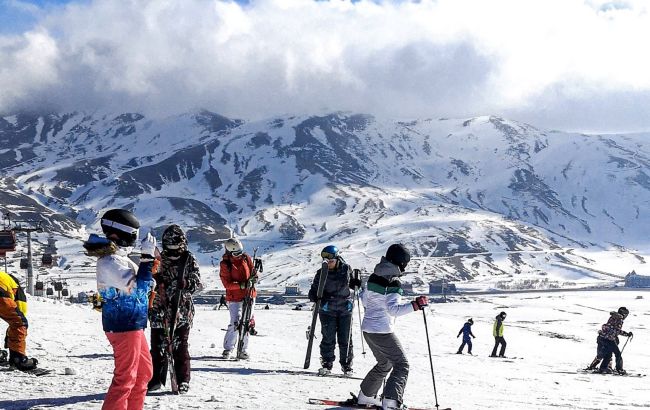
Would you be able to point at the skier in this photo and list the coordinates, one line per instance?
(123, 288)
(177, 261)
(497, 332)
(13, 310)
(222, 302)
(609, 333)
(383, 303)
(335, 311)
(466, 330)
(236, 272)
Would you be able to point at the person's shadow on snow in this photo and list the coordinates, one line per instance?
(49, 401)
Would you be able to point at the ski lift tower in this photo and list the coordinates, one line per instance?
(28, 227)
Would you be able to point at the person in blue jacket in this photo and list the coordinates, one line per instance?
(466, 330)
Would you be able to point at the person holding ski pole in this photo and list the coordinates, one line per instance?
(13, 310)
(382, 299)
(497, 332)
(466, 330)
(335, 311)
(237, 272)
(124, 291)
(609, 332)
(177, 280)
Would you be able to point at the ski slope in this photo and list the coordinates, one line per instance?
(550, 332)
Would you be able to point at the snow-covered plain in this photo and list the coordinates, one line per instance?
(551, 333)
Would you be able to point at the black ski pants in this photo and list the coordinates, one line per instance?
(499, 340)
(180, 352)
(336, 326)
(467, 342)
(610, 347)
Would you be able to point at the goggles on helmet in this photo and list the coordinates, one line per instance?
(328, 255)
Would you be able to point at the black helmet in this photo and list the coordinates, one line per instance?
(503, 315)
(470, 321)
(398, 255)
(121, 223)
(623, 311)
(330, 252)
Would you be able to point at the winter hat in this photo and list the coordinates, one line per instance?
(623, 311)
(174, 239)
(398, 255)
(121, 223)
(470, 321)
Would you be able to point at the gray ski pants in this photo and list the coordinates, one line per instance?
(390, 356)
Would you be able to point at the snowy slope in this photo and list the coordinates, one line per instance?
(553, 333)
(481, 200)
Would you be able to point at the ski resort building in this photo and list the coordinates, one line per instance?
(632, 280)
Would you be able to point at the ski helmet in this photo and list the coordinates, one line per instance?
(330, 252)
(623, 311)
(234, 247)
(503, 315)
(174, 241)
(398, 255)
(121, 223)
(470, 321)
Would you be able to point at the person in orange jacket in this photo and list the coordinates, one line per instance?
(13, 310)
(237, 275)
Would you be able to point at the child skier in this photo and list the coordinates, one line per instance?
(466, 330)
(609, 333)
(177, 280)
(124, 295)
(335, 312)
(13, 308)
(497, 332)
(237, 275)
(382, 299)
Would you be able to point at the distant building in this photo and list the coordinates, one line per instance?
(292, 290)
(441, 286)
(632, 280)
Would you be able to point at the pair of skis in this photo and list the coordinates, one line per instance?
(353, 404)
(319, 296)
(244, 325)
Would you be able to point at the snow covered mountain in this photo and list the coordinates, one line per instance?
(479, 200)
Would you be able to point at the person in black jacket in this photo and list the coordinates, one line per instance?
(336, 311)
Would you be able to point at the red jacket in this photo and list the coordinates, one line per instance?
(234, 270)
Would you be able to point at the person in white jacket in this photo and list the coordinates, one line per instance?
(383, 302)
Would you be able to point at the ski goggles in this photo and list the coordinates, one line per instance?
(236, 253)
(328, 255)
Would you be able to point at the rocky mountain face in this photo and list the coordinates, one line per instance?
(477, 199)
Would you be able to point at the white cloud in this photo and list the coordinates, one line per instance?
(557, 63)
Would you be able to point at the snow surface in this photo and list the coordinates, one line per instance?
(551, 332)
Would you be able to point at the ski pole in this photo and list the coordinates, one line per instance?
(433, 376)
(628, 339)
(363, 345)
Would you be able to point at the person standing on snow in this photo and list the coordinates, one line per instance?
(13, 310)
(466, 330)
(497, 332)
(123, 290)
(177, 261)
(609, 333)
(335, 311)
(382, 299)
(237, 275)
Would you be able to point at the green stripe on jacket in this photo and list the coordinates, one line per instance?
(374, 287)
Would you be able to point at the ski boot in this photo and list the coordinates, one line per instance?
(621, 372)
(3, 357)
(326, 368)
(226, 353)
(243, 355)
(390, 404)
(183, 388)
(153, 385)
(348, 371)
(364, 400)
(22, 362)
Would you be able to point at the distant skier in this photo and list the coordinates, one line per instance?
(222, 302)
(609, 333)
(13, 310)
(497, 332)
(466, 331)
(177, 261)
(124, 296)
(382, 299)
(335, 311)
(236, 272)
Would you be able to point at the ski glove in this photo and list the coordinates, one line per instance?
(148, 248)
(627, 334)
(420, 302)
(355, 283)
(242, 285)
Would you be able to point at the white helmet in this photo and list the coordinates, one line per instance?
(234, 246)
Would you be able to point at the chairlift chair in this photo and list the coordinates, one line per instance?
(7, 241)
(49, 292)
(47, 260)
(58, 286)
(39, 285)
(24, 263)
(65, 292)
